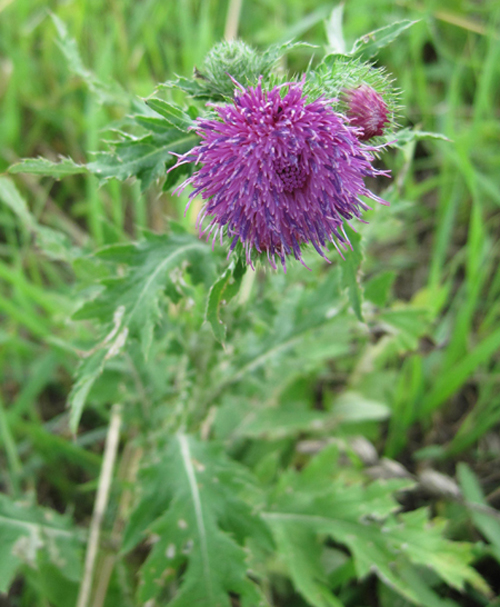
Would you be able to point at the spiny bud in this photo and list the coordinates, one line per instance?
(366, 110)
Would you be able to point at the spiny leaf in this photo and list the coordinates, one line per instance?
(194, 88)
(362, 517)
(145, 158)
(350, 272)
(424, 543)
(201, 524)
(131, 301)
(149, 263)
(405, 136)
(93, 365)
(26, 530)
(300, 551)
(172, 113)
(42, 166)
(369, 45)
(221, 292)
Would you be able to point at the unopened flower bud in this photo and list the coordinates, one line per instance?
(366, 110)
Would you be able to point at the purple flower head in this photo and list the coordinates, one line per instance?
(367, 111)
(277, 172)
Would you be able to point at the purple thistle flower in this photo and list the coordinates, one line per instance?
(367, 111)
(277, 172)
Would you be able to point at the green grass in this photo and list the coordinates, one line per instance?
(440, 376)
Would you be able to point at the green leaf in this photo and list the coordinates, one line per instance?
(221, 292)
(450, 380)
(425, 544)
(93, 365)
(201, 526)
(26, 530)
(354, 407)
(145, 158)
(105, 92)
(53, 243)
(408, 324)
(334, 33)
(351, 267)
(408, 135)
(194, 88)
(172, 113)
(485, 522)
(300, 551)
(377, 289)
(369, 45)
(319, 501)
(148, 263)
(131, 301)
(10, 196)
(42, 166)
(277, 422)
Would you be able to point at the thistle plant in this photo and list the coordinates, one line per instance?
(243, 491)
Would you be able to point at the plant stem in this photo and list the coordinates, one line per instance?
(101, 502)
(232, 19)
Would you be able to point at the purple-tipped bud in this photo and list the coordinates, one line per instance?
(367, 111)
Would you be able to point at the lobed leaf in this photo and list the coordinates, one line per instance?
(319, 501)
(26, 531)
(105, 92)
(145, 158)
(201, 526)
(131, 301)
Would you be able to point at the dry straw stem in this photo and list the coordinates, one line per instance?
(101, 502)
(127, 473)
(232, 19)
